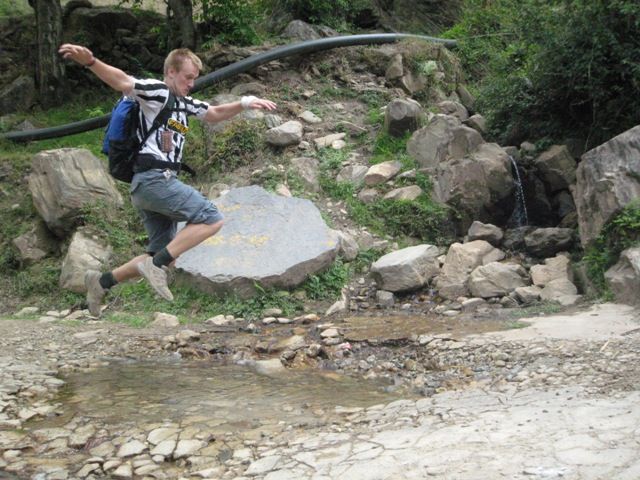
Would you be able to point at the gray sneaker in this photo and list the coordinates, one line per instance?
(95, 292)
(156, 277)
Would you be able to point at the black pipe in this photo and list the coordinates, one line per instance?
(244, 65)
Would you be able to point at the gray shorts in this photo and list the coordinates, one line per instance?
(162, 201)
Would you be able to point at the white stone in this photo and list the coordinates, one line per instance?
(129, 449)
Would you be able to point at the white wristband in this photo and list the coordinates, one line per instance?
(247, 101)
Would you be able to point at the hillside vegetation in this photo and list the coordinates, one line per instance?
(542, 71)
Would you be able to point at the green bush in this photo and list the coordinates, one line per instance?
(333, 13)
(230, 21)
(553, 68)
(234, 147)
(622, 232)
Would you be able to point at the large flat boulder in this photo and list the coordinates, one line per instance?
(273, 241)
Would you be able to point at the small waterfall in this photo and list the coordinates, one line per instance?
(519, 216)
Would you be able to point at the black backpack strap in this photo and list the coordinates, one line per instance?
(161, 118)
(188, 169)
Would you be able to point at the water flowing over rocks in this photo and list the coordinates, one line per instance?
(275, 241)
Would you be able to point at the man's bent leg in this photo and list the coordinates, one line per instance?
(98, 284)
(130, 269)
(191, 235)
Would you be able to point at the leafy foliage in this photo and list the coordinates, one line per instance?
(622, 232)
(421, 218)
(333, 13)
(554, 68)
(230, 21)
(233, 147)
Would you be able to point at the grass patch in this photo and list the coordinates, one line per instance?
(138, 302)
(388, 147)
(328, 284)
(225, 151)
(421, 218)
(620, 233)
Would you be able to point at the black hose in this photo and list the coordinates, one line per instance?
(229, 71)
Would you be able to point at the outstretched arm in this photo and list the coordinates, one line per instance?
(219, 113)
(112, 76)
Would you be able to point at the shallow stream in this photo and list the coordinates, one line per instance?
(222, 397)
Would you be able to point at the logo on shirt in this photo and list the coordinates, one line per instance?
(177, 126)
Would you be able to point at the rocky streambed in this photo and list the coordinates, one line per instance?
(317, 398)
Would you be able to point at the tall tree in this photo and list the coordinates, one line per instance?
(50, 74)
(180, 16)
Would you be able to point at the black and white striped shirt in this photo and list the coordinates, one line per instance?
(152, 95)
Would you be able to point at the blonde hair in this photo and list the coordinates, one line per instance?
(176, 58)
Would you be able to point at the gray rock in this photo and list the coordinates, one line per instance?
(34, 245)
(624, 277)
(545, 242)
(405, 193)
(395, 69)
(18, 95)
(329, 140)
(406, 269)
(353, 174)
(307, 169)
(558, 267)
(478, 123)
(348, 247)
(477, 185)
(385, 299)
(460, 261)
(455, 109)
(607, 179)
(485, 231)
(557, 168)
(561, 291)
(84, 253)
(289, 133)
(66, 180)
(301, 31)
(466, 98)
(250, 88)
(274, 241)
(382, 172)
(497, 279)
(310, 117)
(402, 116)
(130, 449)
(527, 295)
(164, 320)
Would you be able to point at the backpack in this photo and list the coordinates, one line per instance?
(121, 144)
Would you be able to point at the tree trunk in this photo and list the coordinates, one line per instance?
(50, 74)
(180, 17)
